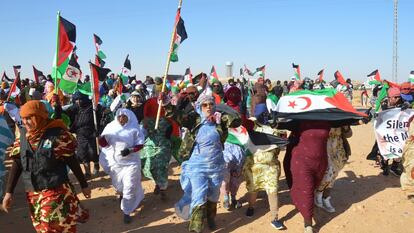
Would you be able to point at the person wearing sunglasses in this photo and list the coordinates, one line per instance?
(203, 173)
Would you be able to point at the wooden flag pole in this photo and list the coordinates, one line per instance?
(57, 51)
(94, 107)
(167, 67)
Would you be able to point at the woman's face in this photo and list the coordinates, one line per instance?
(123, 119)
(28, 123)
(50, 88)
(135, 99)
(207, 108)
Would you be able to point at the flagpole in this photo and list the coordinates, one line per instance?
(57, 51)
(167, 67)
(94, 106)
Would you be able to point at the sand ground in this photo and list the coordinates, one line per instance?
(365, 200)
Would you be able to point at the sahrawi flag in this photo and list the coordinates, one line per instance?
(296, 70)
(326, 104)
(66, 45)
(271, 102)
(37, 74)
(187, 79)
(411, 76)
(126, 71)
(261, 71)
(239, 136)
(213, 75)
(375, 75)
(98, 43)
(98, 74)
(69, 81)
(179, 36)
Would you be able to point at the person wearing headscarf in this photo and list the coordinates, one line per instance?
(121, 141)
(81, 115)
(262, 169)
(203, 173)
(6, 139)
(136, 105)
(157, 150)
(306, 164)
(338, 151)
(259, 95)
(394, 101)
(406, 95)
(50, 91)
(234, 100)
(217, 89)
(407, 176)
(41, 155)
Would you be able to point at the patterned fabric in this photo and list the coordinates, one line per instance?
(64, 146)
(336, 158)
(6, 139)
(53, 210)
(234, 156)
(156, 154)
(407, 182)
(262, 169)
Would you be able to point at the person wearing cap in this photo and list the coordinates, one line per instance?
(203, 173)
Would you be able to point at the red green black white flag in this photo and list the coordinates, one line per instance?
(179, 36)
(213, 75)
(261, 71)
(296, 70)
(375, 74)
(65, 46)
(340, 78)
(98, 43)
(37, 74)
(326, 104)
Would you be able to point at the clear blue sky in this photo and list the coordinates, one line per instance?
(354, 36)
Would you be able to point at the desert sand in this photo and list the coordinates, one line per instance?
(365, 200)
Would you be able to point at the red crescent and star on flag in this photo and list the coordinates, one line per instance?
(293, 104)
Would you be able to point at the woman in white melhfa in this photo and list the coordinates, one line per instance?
(120, 141)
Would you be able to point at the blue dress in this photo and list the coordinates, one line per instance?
(203, 173)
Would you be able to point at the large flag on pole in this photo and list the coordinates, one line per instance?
(126, 71)
(326, 104)
(65, 44)
(179, 36)
(296, 70)
(37, 74)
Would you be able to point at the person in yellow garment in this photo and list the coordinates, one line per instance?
(407, 177)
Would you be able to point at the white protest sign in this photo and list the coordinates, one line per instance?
(391, 131)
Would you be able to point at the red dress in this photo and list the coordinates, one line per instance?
(308, 164)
